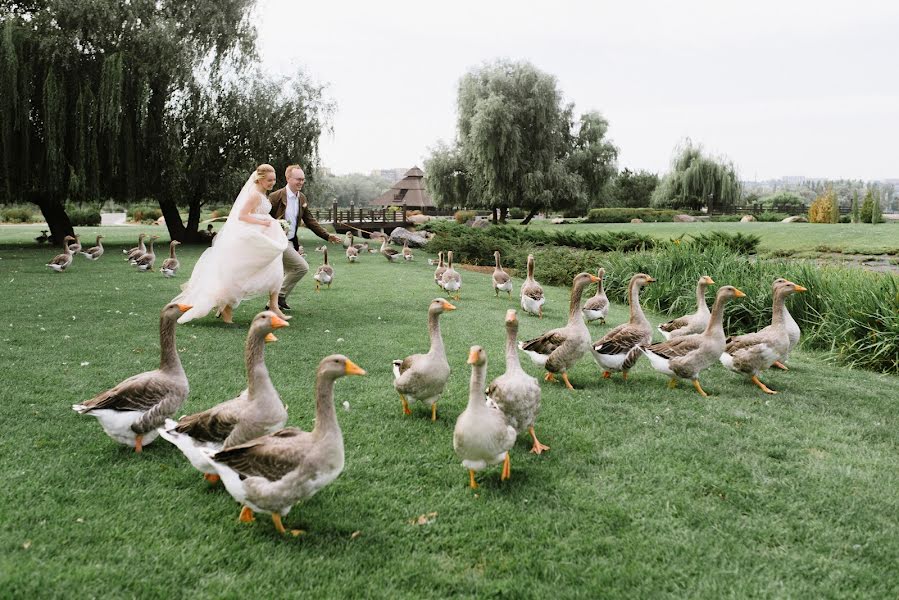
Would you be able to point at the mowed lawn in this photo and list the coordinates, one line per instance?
(646, 492)
(775, 237)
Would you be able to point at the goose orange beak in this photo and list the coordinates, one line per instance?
(270, 337)
(448, 306)
(799, 288)
(353, 369)
(472, 357)
(594, 278)
(709, 280)
(738, 293)
(278, 323)
(651, 280)
(184, 307)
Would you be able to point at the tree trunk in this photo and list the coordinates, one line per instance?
(173, 220)
(495, 211)
(503, 214)
(56, 218)
(531, 215)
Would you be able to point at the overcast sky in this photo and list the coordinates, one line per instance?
(780, 87)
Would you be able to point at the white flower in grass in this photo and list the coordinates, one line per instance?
(346, 405)
(84, 363)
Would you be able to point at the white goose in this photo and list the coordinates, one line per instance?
(451, 280)
(95, 252)
(692, 323)
(170, 265)
(597, 306)
(324, 274)
(618, 349)
(502, 281)
(532, 298)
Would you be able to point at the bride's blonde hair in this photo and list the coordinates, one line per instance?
(262, 170)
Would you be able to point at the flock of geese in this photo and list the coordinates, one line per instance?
(140, 256)
(267, 467)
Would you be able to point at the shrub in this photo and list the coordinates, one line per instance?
(741, 243)
(845, 219)
(819, 211)
(144, 212)
(726, 218)
(772, 217)
(624, 215)
(867, 207)
(463, 216)
(19, 214)
(84, 216)
(517, 213)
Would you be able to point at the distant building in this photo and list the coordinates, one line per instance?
(409, 190)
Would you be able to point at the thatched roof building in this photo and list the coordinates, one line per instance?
(410, 190)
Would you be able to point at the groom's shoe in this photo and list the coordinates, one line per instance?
(282, 304)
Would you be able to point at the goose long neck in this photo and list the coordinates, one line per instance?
(434, 333)
(151, 246)
(778, 308)
(258, 379)
(476, 399)
(325, 415)
(636, 310)
(716, 320)
(530, 268)
(574, 305)
(172, 251)
(700, 297)
(168, 353)
(512, 361)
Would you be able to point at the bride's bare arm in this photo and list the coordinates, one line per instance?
(246, 215)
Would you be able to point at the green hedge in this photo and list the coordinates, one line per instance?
(83, 216)
(624, 215)
(143, 212)
(20, 214)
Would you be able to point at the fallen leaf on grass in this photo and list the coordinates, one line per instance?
(425, 519)
(355, 535)
(79, 520)
(26, 545)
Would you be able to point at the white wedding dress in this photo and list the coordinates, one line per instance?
(244, 261)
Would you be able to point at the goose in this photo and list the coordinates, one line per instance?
(423, 377)
(272, 473)
(76, 246)
(692, 323)
(321, 248)
(502, 282)
(407, 253)
(559, 349)
(352, 255)
(137, 251)
(324, 274)
(531, 292)
(752, 353)
(685, 356)
(170, 265)
(95, 252)
(62, 261)
(482, 436)
(348, 239)
(440, 270)
(792, 328)
(362, 248)
(451, 280)
(257, 411)
(432, 262)
(131, 411)
(597, 306)
(145, 262)
(617, 350)
(389, 253)
(43, 238)
(516, 393)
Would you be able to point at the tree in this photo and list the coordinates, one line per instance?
(697, 181)
(834, 206)
(867, 206)
(631, 189)
(87, 88)
(821, 210)
(876, 211)
(518, 146)
(856, 213)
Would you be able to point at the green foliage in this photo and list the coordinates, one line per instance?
(84, 216)
(140, 213)
(354, 188)
(19, 214)
(725, 218)
(624, 215)
(876, 213)
(867, 206)
(697, 181)
(825, 209)
(772, 217)
(784, 201)
(631, 189)
(856, 211)
(740, 243)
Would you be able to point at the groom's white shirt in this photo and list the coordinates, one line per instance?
(291, 211)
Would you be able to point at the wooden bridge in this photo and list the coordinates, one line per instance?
(364, 219)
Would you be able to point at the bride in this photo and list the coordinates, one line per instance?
(246, 258)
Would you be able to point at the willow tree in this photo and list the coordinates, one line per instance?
(86, 90)
(698, 181)
(514, 140)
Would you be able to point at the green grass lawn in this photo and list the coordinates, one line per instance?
(776, 237)
(646, 493)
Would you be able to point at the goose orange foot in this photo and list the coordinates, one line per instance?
(434, 412)
(781, 366)
(276, 519)
(212, 478)
(565, 379)
(549, 377)
(537, 448)
(471, 482)
(763, 387)
(406, 410)
(507, 469)
(246, 515)
(606, 374)
(699, 388)
(139, 443)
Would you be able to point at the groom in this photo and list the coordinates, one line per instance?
(289, 203)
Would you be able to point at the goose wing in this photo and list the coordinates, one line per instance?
(272, 456)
